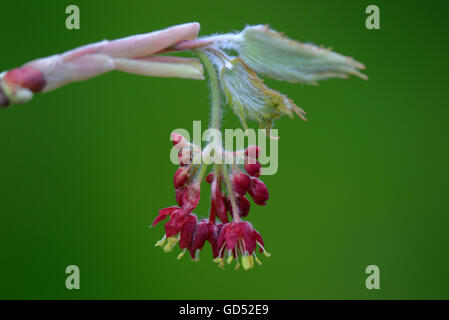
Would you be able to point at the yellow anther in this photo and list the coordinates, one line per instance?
(258, 261)
(247, 262)
(181, 254)
(229, 260)
(160, 243)
(237, 266)
(218, 260)
(267, 254)
(251, 261)
(171, 243)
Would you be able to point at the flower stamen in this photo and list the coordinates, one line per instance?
(181, 254)
(161, 242)
(171, 243)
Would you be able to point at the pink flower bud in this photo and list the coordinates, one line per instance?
(26, 77)
(240, 183)
(253, 169)
(178, 140)
(258, 191)
(184, 157)
(180, 178)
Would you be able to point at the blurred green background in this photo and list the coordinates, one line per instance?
(84, 169)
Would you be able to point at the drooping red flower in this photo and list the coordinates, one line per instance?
(239, 240)
(205, 231)
(179, 228)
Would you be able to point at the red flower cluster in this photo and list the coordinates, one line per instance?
(234, 239)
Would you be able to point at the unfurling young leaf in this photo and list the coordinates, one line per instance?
(250, 98)
(268, 52)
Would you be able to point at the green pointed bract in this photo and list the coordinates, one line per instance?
(268, 52)
(251, 99)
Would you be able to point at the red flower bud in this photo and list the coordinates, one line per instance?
(220, 206)
(253, 169)
(258, 191)
(244, 205)
(240, 183)
(210, 178)
(218, 203)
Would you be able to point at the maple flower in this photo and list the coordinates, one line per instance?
(208, 231)
(179, 228)
(239, 240)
